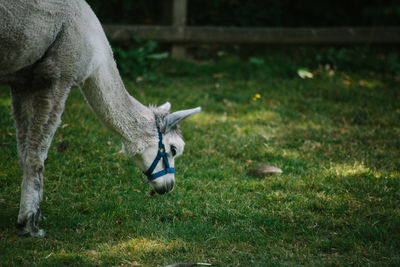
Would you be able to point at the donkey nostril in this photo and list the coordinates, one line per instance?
(166, 188)
(161, 191)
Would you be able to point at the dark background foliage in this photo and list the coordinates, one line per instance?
(267, 13)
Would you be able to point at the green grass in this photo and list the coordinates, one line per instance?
(336, 138)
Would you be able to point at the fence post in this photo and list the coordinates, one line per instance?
(179, 12)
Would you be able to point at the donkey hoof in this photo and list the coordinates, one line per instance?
(34, 233)
(28, 227)
(38, 233)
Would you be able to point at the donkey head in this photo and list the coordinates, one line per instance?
(158, 159)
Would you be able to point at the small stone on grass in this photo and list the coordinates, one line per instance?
(263, 170)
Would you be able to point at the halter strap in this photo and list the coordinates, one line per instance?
(160, 155)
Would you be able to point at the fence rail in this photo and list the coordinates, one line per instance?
(225, 35)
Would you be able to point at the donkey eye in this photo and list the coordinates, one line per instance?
(173, 150)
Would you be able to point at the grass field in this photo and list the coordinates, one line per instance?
(336, 137)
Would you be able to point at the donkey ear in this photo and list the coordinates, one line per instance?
(165, 107)
(173, 118)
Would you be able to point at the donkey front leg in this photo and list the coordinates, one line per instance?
(30, 187)
(39, 112)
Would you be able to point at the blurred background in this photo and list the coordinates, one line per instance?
(286, 34)
(255, 13)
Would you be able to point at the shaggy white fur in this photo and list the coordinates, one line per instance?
(48, 46)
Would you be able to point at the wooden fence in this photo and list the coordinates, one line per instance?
(179, 34)
(226, 35)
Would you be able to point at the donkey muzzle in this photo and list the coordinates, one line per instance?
(163, 187)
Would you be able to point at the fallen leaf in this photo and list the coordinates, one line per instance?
(263, 170)
(362, 82)
(310, 145)
(218, 75)
(93, 252)
(304, 73)
(227, 102)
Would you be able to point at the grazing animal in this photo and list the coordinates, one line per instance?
(48, 46)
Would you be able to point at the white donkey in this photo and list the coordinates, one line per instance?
(47, 46)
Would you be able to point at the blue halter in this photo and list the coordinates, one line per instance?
(161, 154)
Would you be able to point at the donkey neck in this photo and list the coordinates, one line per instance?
(126, 117)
